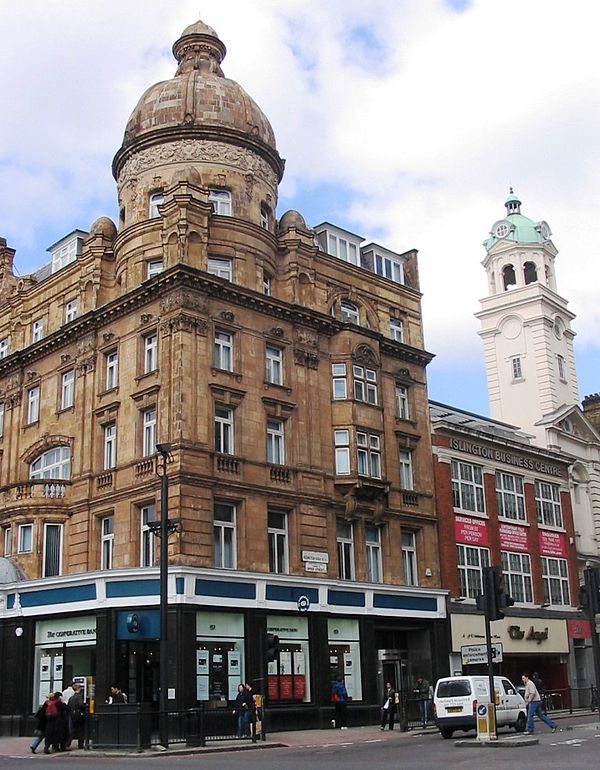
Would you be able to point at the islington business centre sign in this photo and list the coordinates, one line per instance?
(508, 458)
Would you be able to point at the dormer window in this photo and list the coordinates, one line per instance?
(156, 199)
(66, 250)
(220, 200)
(389, 268)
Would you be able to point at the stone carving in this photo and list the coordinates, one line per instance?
(275, 331)
(183, 323)
(227, 315)
(146, 318)
(65, 357)
(199, 151)
(108, 336)
(304, 358)
(86, 344)
(182, 298)
(403, 373)
(85, 365)
(307, 337)
(31, 375)
(364, 355)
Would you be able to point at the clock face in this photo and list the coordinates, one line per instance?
(545, 230)
(501, 230)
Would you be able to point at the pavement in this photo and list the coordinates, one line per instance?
(18, 747)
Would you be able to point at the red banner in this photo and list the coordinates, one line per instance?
(470, 531)
(552, 543)
(579, 629)
(513, 538)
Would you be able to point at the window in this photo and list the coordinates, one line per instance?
(275, 442)
(471, 562)
(264, 217)
(223, 351)
(156, 199)
(33, 405)
(517, 369)
(467, 487)
(67, 389)
(150, 353)
(222, 268)
(224, 430)
(37, 330)
(147, 537)
(342, 452)
(345, 548)
(71, 311)
(267, 284)
(349, 312)
(562, 370)
(3, 348)
(25, 543)
(107, 544)
(406, 469)
(112, 369)
(65, 255)
(389, 268)
(368, 455)
(274, 361)
(547, 504)
(555, 580)
(510, 497)
(52, 464)
(365, 384)
(7, 540)
(278, 541)
(149, 432)
(517, 576)
(220, 200)
(343, 249)
(402, 411)
(224, 535)
(409, 558)
(373, 548)
(154, 267)
(53, 541)
(340, 386)
(397, 329)
(1, 420)
(110, 446)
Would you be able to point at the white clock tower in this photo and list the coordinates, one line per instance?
(525, 325)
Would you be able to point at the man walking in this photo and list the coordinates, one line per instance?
(388, 707)
(534, 705)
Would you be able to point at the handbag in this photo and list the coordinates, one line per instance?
(397, 699)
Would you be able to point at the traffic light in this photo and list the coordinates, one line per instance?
(493, 600)
(272, 647)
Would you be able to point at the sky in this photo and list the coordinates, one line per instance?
(405, 121)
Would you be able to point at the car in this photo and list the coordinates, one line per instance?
(455, 702)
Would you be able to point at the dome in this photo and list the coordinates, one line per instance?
(104, 226)
(10, 572)
(200, 102)
(516, 227)
(291, 219)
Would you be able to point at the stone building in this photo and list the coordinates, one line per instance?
(285, 368)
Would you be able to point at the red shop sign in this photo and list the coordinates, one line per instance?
(579, 629)
(471, 531)
(552, 543)
(513, 538)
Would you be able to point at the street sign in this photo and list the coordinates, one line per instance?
(475, 654)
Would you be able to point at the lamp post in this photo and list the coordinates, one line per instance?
(162, 528)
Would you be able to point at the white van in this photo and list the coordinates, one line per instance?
(455, 703)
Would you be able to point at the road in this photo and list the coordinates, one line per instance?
(575, 747)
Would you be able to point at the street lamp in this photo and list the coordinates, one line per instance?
(162, 528)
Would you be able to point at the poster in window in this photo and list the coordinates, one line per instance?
(234, 673)
(57, 667)
(45, 662)
(299, 682)
(348, 677)
(202, 688)
(202, 661)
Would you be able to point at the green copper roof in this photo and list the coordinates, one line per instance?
(521, 229)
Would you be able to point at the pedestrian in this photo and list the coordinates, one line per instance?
(66, 695)
(76, 706)
(541, 688)
(116, 695)
(422, 692)
(388, 707)
(57, 726)
(251, 716)
(534, 705)
(241, 709)
(40, 732)
(339, 696)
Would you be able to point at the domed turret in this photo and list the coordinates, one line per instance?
(105, 227)
(516, 227)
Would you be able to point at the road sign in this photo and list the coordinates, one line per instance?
(474, 654)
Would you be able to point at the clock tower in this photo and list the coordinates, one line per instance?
(525, 325)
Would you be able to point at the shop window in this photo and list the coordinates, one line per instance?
(111, 366)
(274, 365)
(510, 496)
(402, 410)
(547, 504)
(344, 655)
(555, 581)
(25, 542)
(275, 442)
(223, 351)
(53, 543)
(409, 558)
(224, 430)
(67, 389)
(373, 554)
(287, 677)
(516, 568)
(345, 549)
(278, 541)
(467, 487)
(219, 655)
(471, 562)
(107, 544)
(147, 537)
(224, 535)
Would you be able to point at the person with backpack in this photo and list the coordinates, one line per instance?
(339, 697)
(57, 726)
(40, 718)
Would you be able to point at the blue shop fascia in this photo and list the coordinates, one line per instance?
(103, 628)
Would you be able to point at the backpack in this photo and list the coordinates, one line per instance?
(51, 709)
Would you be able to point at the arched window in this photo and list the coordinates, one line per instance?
(349, 312)
(52, 464)
(509, 278)
(530, 272)
(156, 199)
(220, 200)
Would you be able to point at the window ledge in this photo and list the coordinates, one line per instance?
(516, 522)
(234, 375)
(473, 514)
